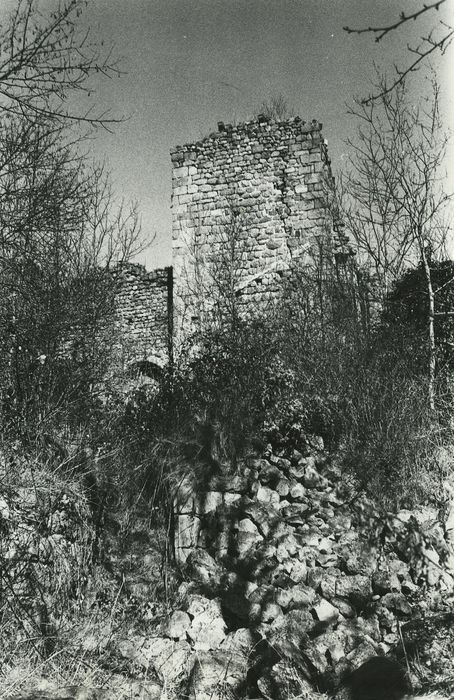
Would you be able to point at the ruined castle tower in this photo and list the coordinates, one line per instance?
(252, 197)
(248, 204)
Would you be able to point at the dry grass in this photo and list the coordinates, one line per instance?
(74, 675)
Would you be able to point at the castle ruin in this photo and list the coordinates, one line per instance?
(248, 201)
(143, 314)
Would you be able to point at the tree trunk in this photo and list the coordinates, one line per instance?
(431, 329)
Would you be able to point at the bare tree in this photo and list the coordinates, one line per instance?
(438, 39)
(60, 230)
(60, 225)
(51, 194)
(44, 57)
(397, 205)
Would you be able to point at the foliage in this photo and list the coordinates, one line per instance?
(233, 380)
(406, 306)
(312, 364)
(209, 406)
(56, 302)
(393, 435)
(61, 236)
(46, 550)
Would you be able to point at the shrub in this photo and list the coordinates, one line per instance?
(46, 551)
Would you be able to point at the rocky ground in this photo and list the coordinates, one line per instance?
(286, 580)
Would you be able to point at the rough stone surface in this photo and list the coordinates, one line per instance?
(208, 628)
(261, 181)
(303, 576)
(325, 612)
(143, 307)
(178, 624)
(218, 675)
(320, 593)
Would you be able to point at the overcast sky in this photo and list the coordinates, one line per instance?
(190, 63)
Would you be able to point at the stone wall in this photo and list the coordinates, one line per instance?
(250, 198)
(143, 313)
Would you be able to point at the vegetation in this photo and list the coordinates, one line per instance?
(59, 228)
(396, 203)
(324, 360)
(60, 236)
(357, 351)
(276, 108)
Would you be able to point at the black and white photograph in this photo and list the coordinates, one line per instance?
(226, 350)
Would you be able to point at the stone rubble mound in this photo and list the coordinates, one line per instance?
(292, 579)
(301, 576)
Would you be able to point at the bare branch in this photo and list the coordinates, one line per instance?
(395, 197)
(403, 19)
(43, 59)
(423, 54)
(438, 39)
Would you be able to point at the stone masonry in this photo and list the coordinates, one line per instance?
(248, 202)
(291, 556)
(250, 198)
(143, 312)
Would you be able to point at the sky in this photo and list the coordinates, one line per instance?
(188, 64)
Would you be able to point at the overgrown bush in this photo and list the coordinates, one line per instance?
(392, 434)
(406, 309)
(311, 366)
(60, 235)
(46, 551)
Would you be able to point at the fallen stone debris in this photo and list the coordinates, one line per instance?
(293, 582)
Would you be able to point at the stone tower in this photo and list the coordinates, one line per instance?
(252, 196)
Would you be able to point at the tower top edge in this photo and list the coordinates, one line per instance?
(255, 127)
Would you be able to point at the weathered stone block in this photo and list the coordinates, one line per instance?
(186, 535)
(178, 624)
(299, 596)
(325, 612)
(248, 536)
(267, 495)
(208, 501)
(356, 588)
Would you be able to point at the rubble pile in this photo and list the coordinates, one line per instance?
(291, 579)
(303, 569)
